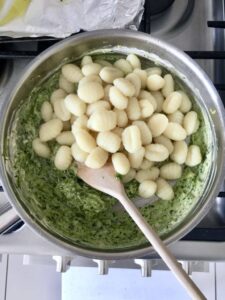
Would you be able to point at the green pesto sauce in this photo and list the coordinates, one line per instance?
(68, 207)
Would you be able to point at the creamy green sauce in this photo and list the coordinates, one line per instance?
(68, 207)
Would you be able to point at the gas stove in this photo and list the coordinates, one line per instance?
(193, 26)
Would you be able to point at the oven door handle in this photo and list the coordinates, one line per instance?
(8, 219)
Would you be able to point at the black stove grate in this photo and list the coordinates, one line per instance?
(30, 47)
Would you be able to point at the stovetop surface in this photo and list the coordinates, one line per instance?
(185, 25)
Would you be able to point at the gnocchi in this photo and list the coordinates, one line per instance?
(191, 122)
(156, 152)
(158, 124)
(120, 163)
(194, 156)
(90, 92)
(41, 148)
(46, 111)
(155, 82)
(124, 65)
(136, 158)
(131, 138)
(96, 158)
(171, 171)
(147, 188)
(63, 158)
(65, 138)
(72, 73)
(172, 103)
(108, 141)
(117, 99)
(164, 190)
(50, 130)
(175, 132)
(103, 120)
(75, 105)
(121, 112)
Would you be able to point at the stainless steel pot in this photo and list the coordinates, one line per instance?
(123, 41)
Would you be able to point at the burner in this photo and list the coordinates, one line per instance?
(158, 6)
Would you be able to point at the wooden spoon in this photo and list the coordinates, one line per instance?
(104, 180)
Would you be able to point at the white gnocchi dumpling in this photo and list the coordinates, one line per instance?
(164, 190)
(75, 105)
(41, 148)
(46, 111)
(133, 109)
(175, 132)
(85, 140)
(117, 99)
(120, 163)
(171, 171)
(136, 158)
(172, 103)
(63, 158)
(191, 122)
(134, 61)
(147, 188)
(131, 138)
(194, 156)
(50, 130)
(108, 141)
(109, 74)
(168, 86)
(90, 91)
(158, 124)
(186, 104)
(91, 69)
(78, 154)
(61, 110)
(66, 85)
(124, 65)
(72, 73)
(99, 105)
(65, 138)
(149, 174)
(96, 158)
(146, 136)
(155, 82)
(103, 120)
(179, 153)
(87, 59)
(156, 152)
(146, 107)
(124, 86)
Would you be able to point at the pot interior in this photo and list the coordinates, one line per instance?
(55, 203)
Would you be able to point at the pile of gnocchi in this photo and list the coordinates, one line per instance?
(125, 114)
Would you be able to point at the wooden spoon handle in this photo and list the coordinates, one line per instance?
(160, 248)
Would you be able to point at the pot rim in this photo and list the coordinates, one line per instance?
(207, 84)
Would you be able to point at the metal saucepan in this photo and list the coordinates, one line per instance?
(122, 41)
